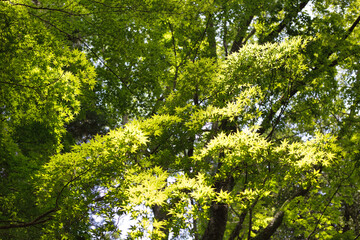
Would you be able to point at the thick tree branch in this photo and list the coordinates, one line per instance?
(235, 232)
(219, 211)
(351, 29)
(242, 216)
(285, 22)
(357, 236)
(160, 214)
(225, 27)
(271, 227)
(201, 37)
(241, 34)
(211, 36)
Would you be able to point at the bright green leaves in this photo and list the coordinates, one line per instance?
(229, 133)
(124, 165)
(110, 148)
(242, 110)
(148, 188)
(178, 195)
(42, 75)
(279, 64)
(195, 83)
(95, 170)
(158, 124)
(235, 150)
(41, 81)
(318, 151)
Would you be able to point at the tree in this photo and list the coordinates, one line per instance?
(41, 82)
(243, 119)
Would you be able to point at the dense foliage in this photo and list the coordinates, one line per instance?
(219, 119)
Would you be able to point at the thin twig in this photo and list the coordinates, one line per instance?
(328, 203)
(46, 8)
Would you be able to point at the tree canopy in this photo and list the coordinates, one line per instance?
(217, 119)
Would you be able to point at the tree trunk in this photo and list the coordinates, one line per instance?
(218, 213)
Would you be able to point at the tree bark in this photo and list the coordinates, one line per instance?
(241, 34)
(291, 14)
(218, 213)
(272, 227)
(161, 215)
(211, 35)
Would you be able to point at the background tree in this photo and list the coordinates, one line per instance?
(244, 119)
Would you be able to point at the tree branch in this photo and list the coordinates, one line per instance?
(239, 225)
(271, 227)
(300, 84)
(47, 8)
(351, 29)
(238, 42)
(39, 220)
(329, 201)
(288, 18)
(201, 37)
(89, 48)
